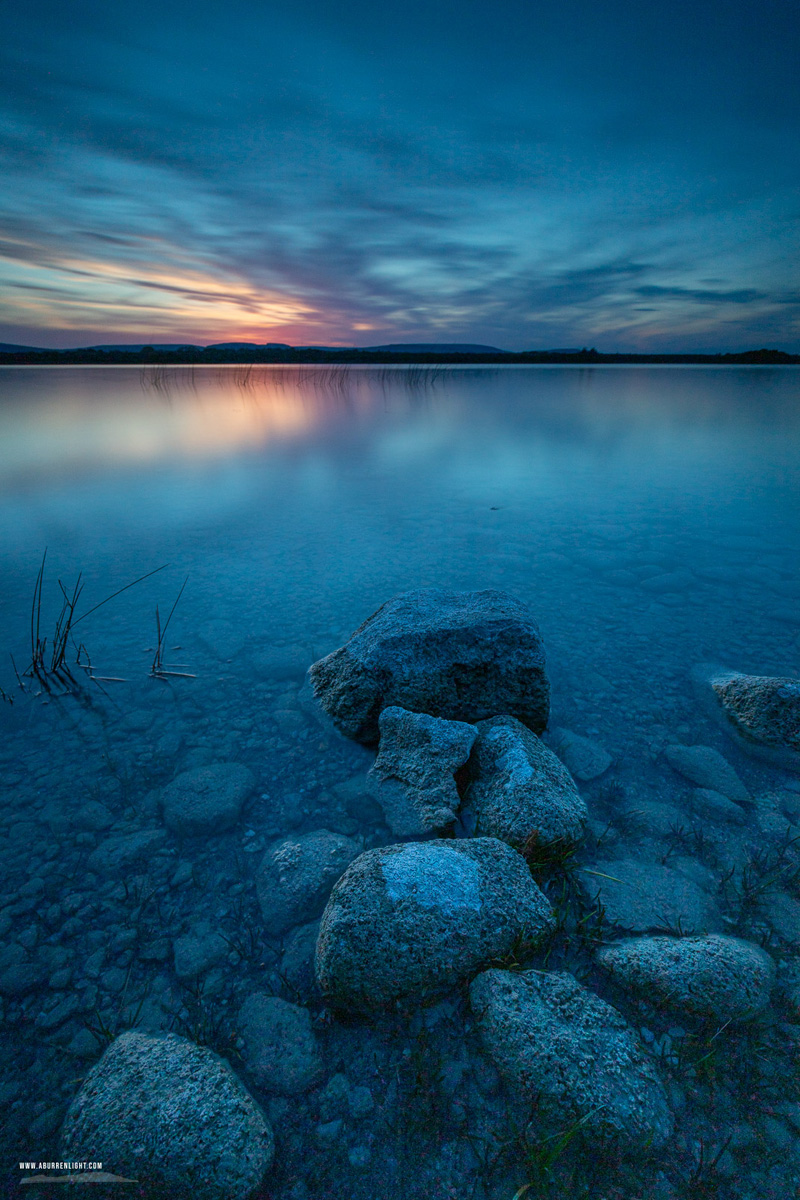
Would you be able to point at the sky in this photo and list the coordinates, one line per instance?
(621, 174)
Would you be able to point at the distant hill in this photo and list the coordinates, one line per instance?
(248, 346)
(435, 348)
(8, 348)
(136, 347)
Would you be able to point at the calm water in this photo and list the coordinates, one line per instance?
(650, 519)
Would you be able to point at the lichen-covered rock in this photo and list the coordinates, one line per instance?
(413, 775)
(573, 1056)
(463, 656)
(723, 978)
(172, 1115)
(583, 758)
(520, 792)
(643, 897)
(297, 874)
(280, 1051)
(706, 768)
(411, 921)
(207, 800)
(761, 711)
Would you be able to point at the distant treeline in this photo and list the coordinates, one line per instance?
(189, 356)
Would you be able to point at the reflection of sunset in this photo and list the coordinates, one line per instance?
(148, 415)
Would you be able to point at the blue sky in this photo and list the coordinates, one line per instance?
(530, 175)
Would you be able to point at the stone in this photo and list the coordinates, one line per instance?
(643, 897)
(716, 807)
(413, 775)
(412, 921)
(280, 1052)
(572, 1056)
(583, 758)
(198, 951)
(706, 768)
(172, 1115)
(121, 851)
(463, 656)
(783, 913)
(719, 977)
(296, 876)
(20, 974)
(297, 961)
(762, 712)
(519, 791)
(207, 800)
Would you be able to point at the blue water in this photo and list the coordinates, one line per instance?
(650, 517)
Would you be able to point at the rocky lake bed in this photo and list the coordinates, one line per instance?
(519, 919)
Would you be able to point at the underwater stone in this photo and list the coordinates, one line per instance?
(720, 977)
(571, 1054)
(644, 897)
(280, 1050)
(706, 768)
(583, 758)
(170, 1114)
(198, 951)
(762, 712)
(463, 656)
(207, 800)
(296, 876)
(413, 776)
(118, 853)
(413, 920)
(520, 792)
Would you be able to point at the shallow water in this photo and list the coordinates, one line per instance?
(648, 516)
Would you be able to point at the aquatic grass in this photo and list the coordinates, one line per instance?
(705, 1179)
(157, 668)
(768, 869)
(545, 1160)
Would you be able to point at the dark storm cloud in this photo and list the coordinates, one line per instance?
(560, 171)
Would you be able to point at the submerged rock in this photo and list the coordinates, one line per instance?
(297, 874)
(412, 921)
(413, 776)
(463, 656)
(583, 758)
(573, 1056)
(762, 712)
(280, 1050)
(207, 800)
(646, 897)
(170, 1114)
(720, 977)
(520, 792)
(706, 768)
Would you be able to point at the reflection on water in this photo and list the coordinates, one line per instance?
(649, 517)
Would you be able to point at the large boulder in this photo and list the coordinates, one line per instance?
(762, 712)
(723, 978)
(583, 758)
(520, 792)
(413, 775)
(171, 1115)
(411, 921)
(574, 1057)
(296, 876)
(463, 656)
(208, 799)
(280, 1050)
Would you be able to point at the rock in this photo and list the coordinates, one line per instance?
(520, 792)
(297, 962)
(413, 776)
(413, 920)
(280, 1049)
(296, 876)
(170, 1114)
(583, 758)
(646, 897)
(207, 800)
(783, 913)
(463, 656)
(762, 712)
(573, 1056)
(19, 974)
(122, 851)
(717, 807)
(706, 768)
(198, 951)
(720, 977)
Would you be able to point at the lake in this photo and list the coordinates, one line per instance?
(649, 518)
